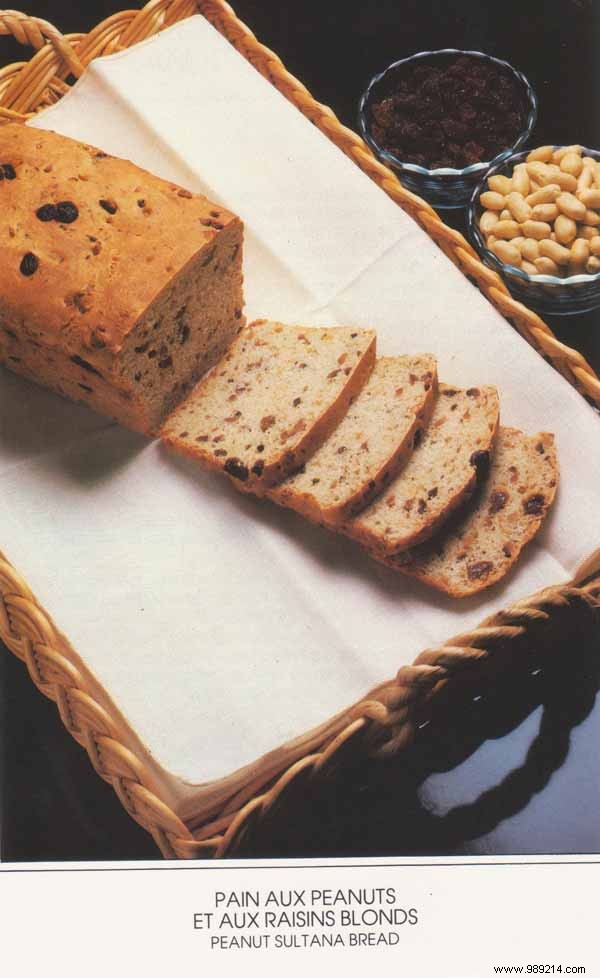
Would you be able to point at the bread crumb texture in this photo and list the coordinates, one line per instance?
(481, 546)
(272, 400)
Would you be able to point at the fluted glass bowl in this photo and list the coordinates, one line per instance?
(444, 187)
(546, 294)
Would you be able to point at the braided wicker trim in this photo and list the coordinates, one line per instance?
(27, 87)
(388, 718)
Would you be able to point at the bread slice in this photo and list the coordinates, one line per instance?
(368, 446)
(481, 546)
(440, 474)
(272, 400)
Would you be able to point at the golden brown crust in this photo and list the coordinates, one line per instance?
(99, 264)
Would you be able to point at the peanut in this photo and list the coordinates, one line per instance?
(569, 205)
(566, 181)
(585, 179)
(586, 232)
(563, 150)
(536, 229)
(565, 229)
(571, 163)
(580, 252)
(543, 154)
(545, 195)
(506, 253)
(502, 185)
(487, 221)
(518, 207)
(545, 266)
(591, 197)
(530, 249)
(506, 229)
(593, 265)
(520, 179)
(592, 218)
(505, 215)
(544, 212)
(529, 267)
(493, 201)
(595, 246)
(555, 251)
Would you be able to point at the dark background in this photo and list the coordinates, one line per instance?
(509, 767)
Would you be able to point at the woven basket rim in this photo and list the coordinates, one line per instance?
(387, 715)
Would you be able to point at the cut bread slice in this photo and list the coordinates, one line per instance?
(272, 400)
(482, 546)
(441, 473)
(368, 446)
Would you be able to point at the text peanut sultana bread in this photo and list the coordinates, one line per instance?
(442, 472)
(117, 288)
(272, 400)
(369, 445)
(481, 547)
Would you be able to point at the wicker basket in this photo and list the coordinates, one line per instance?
(388, 719)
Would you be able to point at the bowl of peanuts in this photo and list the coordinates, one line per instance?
(535, 219)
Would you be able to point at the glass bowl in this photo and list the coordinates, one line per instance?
(547, 294)
(444, 187)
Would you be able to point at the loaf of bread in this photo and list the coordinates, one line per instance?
(485, 539)
(440, 475)
(370, 444)
(116, 287)
(272, 401)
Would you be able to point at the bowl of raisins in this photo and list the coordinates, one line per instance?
(441, 119)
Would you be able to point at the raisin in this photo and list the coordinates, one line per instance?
(497, 502)
(184, 334)
(540, 448)
(141, 203)
(47, 212)
(142, 348)
(481, 462)
(267, 422)
(29, 264)
(477, 571)
(473, 392)
(85, 365)
(297, 401)
(449, 392)
(507, 550)
(260, 448)
(534, 505)
(236, 468)
(66, 212)
(8, 171)
(137, 376)
(341, 449)
(208, 257)
(258, 467)
(220, 453)
(165, 362)
(432, 493)
(418, 437)
(108, 205)
(85, 387)
(421, 506)
(183, 434)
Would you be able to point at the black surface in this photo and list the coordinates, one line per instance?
(509, 767)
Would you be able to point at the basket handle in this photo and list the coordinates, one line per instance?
(36, 32)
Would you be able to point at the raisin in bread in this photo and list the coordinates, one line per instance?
(271, 402)
(369, 445)
(440, 474)
(486, 541)
(116, 288)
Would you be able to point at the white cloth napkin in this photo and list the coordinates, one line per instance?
(222, 627)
